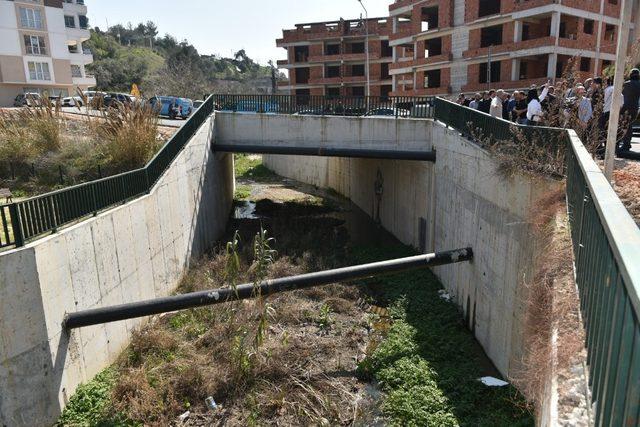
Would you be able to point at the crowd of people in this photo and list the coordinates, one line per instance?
(584, 106)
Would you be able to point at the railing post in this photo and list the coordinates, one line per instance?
(16, 225)
(146, 179)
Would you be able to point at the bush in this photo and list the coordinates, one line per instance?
(130, 135)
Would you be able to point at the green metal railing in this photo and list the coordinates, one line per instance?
(394, 106)
(478, 125)
(606, 244)
(28, 219)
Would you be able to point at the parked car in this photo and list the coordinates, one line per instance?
(72, 101)
(197, 104)
(168, 106)
(387, 112)
(29, 99)
(114, 100)
(186, 107)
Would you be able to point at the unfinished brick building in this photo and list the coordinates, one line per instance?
(440, 47)
(329, 58)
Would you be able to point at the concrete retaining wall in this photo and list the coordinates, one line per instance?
(460, 201)
(134, 252)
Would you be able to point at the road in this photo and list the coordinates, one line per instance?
(83, 110)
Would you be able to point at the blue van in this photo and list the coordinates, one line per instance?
(168, 106)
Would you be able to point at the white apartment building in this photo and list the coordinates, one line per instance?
(41, 48)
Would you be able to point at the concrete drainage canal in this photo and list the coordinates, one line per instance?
(388, 350)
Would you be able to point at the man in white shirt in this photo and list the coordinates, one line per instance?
(534, 108)
(496, 104)
(585, 111)
(475, 102)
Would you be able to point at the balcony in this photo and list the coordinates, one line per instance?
(87, 81)
(338, 80)
(334, 30)
(77, 8)
(361, 57)
(445, 57)
(510, 47)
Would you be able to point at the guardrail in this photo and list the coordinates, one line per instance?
(28, 219)
(393, 106)
(606, 245)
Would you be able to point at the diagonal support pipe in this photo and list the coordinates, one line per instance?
(268, 287)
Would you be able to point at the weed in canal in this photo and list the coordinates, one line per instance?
(250, 167)
(428, 363)
(242, 192)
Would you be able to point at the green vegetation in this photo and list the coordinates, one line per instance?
(162, 65)
(429, 363)
(242, 192)
(251, 167)
(90, 405)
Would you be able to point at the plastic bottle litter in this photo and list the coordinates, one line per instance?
(211, 404)
(184, 416)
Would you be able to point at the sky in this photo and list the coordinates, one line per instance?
(222, 27)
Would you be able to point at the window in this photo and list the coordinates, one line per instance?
(332, 92)
(83, 22)
(332, 49)
(433, 47)
(357, 91)
(609, 32)
(488, 7)
(76, 71)
(588, 26)
(31, 18)
(585, 64)
(39, 71)
(357, 47)
(384, 71)
(34, 45)
(432, 79)
(301, 53)
(357, 70)
(302, 75)
(386, 51)
(69, 21)
(495, 72)
(491, 36)
(332, 71)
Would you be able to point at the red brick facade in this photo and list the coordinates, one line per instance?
(427, 45)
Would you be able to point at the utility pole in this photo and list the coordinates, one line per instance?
(366, 47)
(618, 82)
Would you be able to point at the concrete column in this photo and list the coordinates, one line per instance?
(515, 70)
(552, 65)
(517, 31)
(555, 25)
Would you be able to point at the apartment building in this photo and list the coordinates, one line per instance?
(329, 58)
(443, 47)
(451, 46)
(41, 48)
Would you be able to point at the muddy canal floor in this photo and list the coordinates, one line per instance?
(387, 351)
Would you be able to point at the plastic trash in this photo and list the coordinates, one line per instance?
(184, 416)
(444, 295)
(211, 404)
(492, 382)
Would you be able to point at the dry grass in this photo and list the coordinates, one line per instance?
(130, 134)
(302, 371)
(551, 303)
(30, 131)
(627, 185)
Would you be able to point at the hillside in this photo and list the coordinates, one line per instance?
(162, 65)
